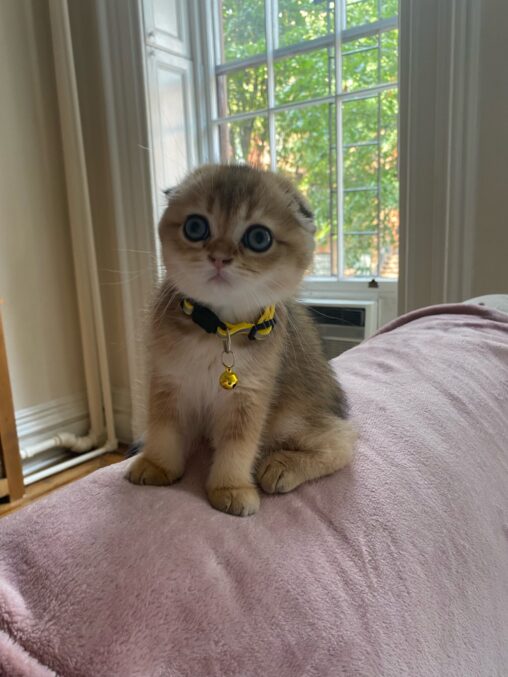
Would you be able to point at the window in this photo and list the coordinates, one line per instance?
(309, 88)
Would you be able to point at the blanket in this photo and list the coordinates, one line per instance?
(395, 566)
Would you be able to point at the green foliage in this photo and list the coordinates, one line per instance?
(389, 8)
(306, 141)
(246, 91)
(248, 141)
(304, 76)
(242, 27)
(360, 166)
(303, 20)
(360, 12)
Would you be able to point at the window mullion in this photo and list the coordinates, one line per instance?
(347, 96)
(269, 27)
(212, 41)
(366, 30)
(378, 215)
(339, 26)
(368, 92)
(275, 23)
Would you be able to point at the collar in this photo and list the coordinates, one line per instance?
(208, 320)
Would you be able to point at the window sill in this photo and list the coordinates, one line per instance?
(331, 287)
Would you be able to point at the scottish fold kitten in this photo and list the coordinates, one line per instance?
(236, 243)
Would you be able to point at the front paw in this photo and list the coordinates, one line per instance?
(143, 471)
(242, 501)
(276, 474)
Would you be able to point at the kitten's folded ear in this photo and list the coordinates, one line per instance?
(300, 204)
(305, 210)
(302, 207)
(305, 214)
(167, 192)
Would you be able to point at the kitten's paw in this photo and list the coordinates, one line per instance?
(143, 471)
(276, 474)
(240, 501)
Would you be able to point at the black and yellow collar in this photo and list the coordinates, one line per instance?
(208, 320)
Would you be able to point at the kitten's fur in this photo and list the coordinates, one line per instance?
(285, 422)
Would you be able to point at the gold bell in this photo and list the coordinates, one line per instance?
(228, 379)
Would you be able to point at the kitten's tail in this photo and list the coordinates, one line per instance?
(135, 447)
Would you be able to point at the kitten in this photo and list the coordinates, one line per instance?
(236, 240)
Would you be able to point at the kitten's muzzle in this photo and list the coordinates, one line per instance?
(219, 263)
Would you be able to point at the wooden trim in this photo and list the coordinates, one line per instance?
(9, 449)
(4, 487)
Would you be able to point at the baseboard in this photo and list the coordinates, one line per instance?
(122, 411)
(70, 414)
(65, 414)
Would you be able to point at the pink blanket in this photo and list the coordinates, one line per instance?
(397, 566)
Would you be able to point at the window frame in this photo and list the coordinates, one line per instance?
(205, 36)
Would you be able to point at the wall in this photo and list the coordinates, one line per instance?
(36, 274)
(490, 261)
(454, 151)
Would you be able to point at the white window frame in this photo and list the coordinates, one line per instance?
(204, 25)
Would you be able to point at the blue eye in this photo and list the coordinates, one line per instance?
(257, 238)
(196, 228)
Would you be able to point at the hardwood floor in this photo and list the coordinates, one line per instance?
(46, 486)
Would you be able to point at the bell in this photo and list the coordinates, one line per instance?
(228, 379)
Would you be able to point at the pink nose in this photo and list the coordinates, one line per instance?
(219, 263)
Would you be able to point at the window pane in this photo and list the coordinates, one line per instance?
(389, 8)
(364, 65)
(301, 20)
(241, 29)
(306, 153)
(360, 68)
(389, 56)
(305, 76)
(360, 120)
(243, 91)
(360, 166)
(389, 110)
(360, 211)
(361, 255)
(246, 141)
(360, 12)
(389, 212)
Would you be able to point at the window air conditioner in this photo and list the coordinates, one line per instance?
(343, 324)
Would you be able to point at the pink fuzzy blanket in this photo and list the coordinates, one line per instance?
(396, 566)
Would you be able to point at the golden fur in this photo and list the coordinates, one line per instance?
(285, 423)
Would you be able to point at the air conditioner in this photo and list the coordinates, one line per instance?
(343, 324)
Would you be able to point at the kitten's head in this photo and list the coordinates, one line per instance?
(236, 237)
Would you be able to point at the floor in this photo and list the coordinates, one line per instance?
(46, 486)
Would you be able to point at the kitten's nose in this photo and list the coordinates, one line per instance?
(219, 262)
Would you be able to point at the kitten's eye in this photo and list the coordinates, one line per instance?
(196, 228)
(258, 238)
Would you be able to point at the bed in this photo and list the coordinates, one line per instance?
(395, 566)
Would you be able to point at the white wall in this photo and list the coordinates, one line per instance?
(36, 273)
